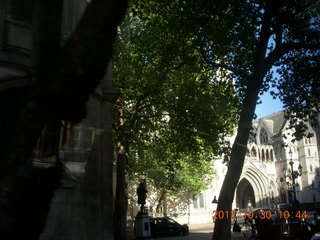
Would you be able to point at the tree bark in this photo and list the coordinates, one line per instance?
(160, 202)
(165, 205)
(222, 228)
(121, 199)
(238, 152)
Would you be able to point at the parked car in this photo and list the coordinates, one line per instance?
(165, 226)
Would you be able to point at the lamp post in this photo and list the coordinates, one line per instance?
(292, 175)
(215, 206)
(214, 200)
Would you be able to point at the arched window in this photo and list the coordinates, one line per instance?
(253, 152)
(263, 136)
(198, 201)
(195, 203)
(263, 156)
(267, 155)
(201, 200)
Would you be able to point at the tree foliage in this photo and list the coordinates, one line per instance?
(177, 112)
(258, 35)
(164, 111)
(299, 89)
(200, 52)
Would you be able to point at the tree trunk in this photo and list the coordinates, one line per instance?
(121, 199)
(160, 201)
(222, 227)
(165, 205)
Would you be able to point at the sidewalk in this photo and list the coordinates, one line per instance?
(205, 231)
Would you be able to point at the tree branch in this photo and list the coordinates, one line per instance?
(278, 30)
(236, 71)
(213, 64)
(151, 116)
(156, 87)
(261, 48)
(285, 48)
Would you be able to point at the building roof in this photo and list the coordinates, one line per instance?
(275, 121)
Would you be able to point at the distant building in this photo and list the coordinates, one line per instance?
(263, 183)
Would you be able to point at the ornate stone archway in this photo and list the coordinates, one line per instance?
(245, 195)
(256, 187)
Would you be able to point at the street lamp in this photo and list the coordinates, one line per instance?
(292, 175)
(214, 200)
(215, 206)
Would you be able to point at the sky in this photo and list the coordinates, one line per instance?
(268, 106)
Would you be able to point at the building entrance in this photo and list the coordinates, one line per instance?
(245, 195)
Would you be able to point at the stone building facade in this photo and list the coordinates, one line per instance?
(263, 183)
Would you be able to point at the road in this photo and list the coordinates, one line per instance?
(202, 232)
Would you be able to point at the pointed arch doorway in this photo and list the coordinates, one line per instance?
(245, 195)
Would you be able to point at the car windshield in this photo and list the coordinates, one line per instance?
(172, 221)
(158, 221)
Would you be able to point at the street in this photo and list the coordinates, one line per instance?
(203, 232)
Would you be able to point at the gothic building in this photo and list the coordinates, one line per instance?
(266, 179)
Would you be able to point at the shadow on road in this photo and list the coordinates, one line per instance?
(191, 236)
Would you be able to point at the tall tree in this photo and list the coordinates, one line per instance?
(258, 35)
(80, 63)
(170, 107)
(245, 40)
(239, 41)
